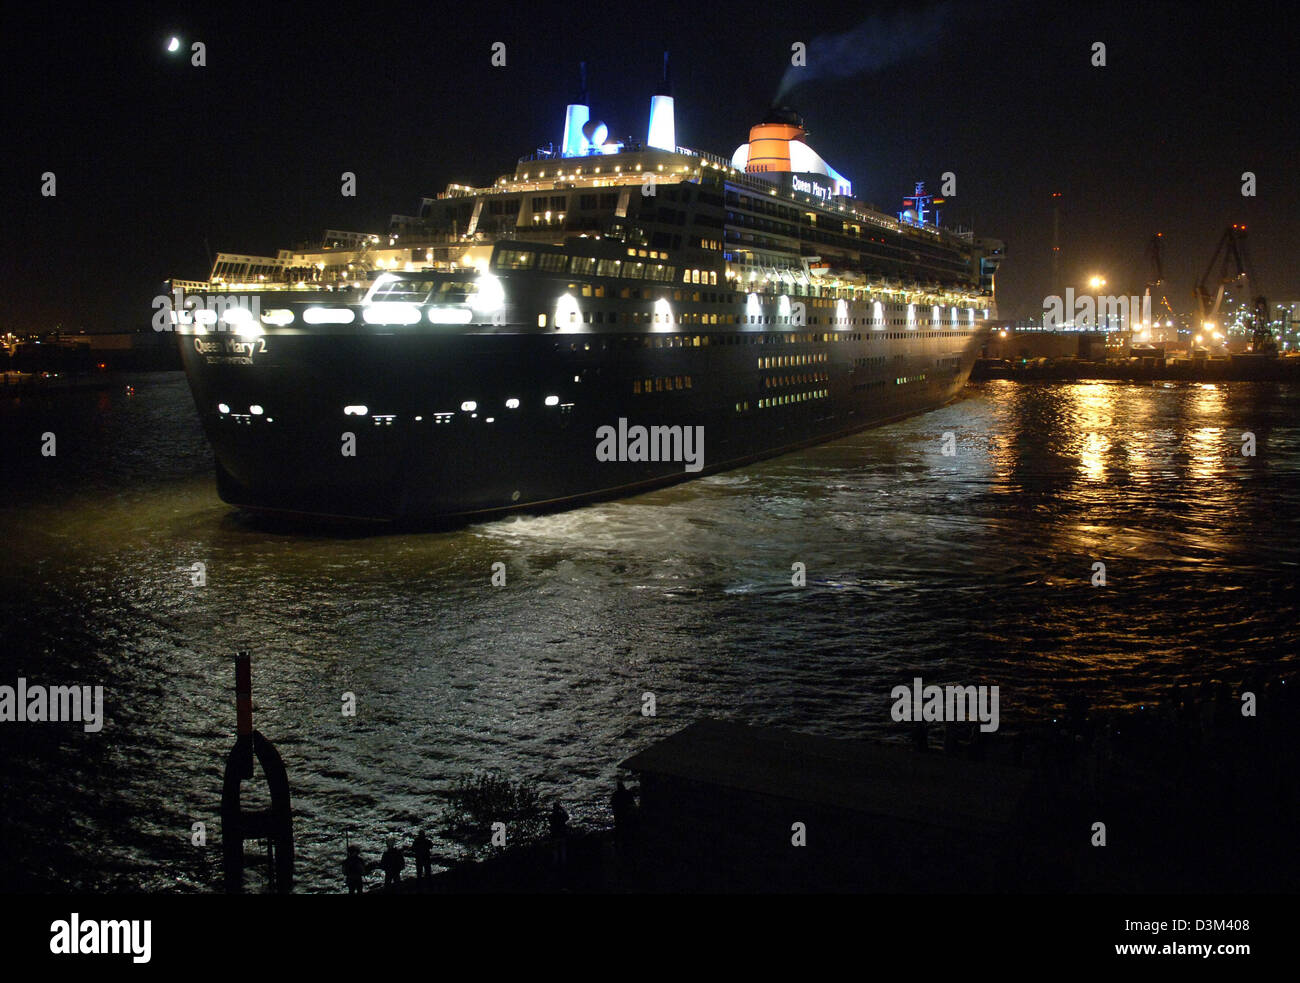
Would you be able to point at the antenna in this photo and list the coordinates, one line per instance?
(1056, 243)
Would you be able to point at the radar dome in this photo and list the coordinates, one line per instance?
(596, 132)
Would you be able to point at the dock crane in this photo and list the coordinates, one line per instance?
(1234, 266)
(1157, 268)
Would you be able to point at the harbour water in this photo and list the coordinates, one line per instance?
(972, 568)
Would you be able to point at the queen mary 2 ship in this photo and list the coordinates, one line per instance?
(611, 317)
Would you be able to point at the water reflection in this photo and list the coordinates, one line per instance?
(974, 567)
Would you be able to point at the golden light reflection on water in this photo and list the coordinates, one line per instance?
(1093, 456)
(1208, 441)
(1094, 411)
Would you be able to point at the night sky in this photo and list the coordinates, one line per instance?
(158, 162)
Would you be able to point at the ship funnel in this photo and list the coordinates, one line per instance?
(576, 117)
(662, 133)
(770, 146)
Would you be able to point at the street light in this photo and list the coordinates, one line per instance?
(1097, 283)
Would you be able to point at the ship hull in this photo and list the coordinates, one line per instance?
(421, 426)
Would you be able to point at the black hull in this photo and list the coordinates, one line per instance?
(419, 456)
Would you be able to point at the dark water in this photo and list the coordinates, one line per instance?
(973, 568)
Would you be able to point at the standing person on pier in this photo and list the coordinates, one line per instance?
(392, 863)
(354, 869)
(560, 833)
(422, 847)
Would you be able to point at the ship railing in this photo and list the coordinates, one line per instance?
(190, 286)
(287, 286)
(539, 154)
(771, 190)
(705, 155)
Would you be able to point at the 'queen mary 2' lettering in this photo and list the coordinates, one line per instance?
(810, 187)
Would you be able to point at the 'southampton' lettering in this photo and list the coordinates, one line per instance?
(53, 704)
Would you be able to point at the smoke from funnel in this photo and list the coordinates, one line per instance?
(874, 44)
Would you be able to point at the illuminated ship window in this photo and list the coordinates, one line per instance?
(552, 400)
(469, 406)
(326, 315)
(516, 259)
(396, 288)
(512, 403)
(279, 318)
(541, 320)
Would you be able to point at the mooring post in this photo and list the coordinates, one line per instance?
(274, 825)
(244, 711)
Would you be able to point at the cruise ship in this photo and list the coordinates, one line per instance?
(613, 316)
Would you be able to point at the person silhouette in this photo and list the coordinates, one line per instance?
(624, 802)
(392, 863)
(560, 832)
(354, 869)
(422, 848)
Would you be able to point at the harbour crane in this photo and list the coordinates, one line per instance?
(1155, 259)
(1157, 278)
(1233, 262)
